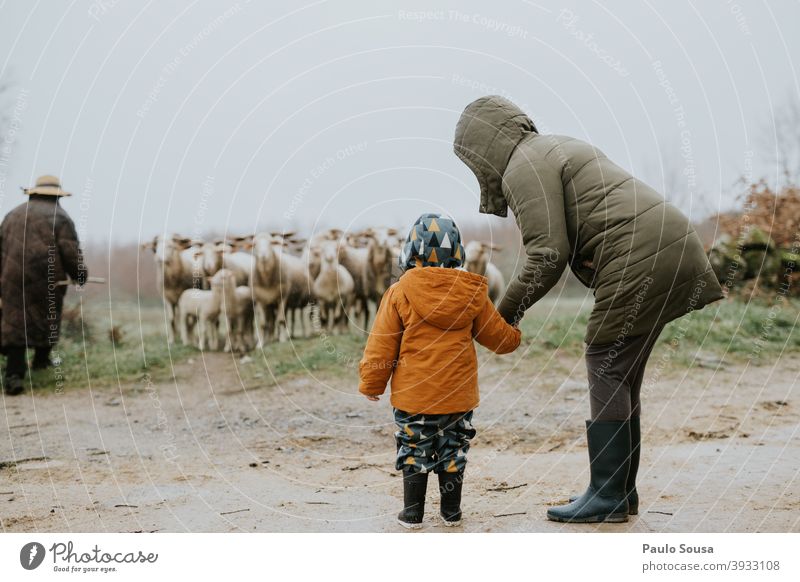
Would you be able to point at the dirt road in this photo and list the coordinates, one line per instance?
(204, 453)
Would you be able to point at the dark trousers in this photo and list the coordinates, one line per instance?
(432, 442)
(615, 372)
(16, 364)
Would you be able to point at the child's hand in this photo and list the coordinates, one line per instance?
(373, 398)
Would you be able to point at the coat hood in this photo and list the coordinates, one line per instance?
(445, 298)
(486, 134)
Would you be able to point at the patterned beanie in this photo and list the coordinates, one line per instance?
(434, 241)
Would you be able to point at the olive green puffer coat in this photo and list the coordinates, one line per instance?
(576, 207)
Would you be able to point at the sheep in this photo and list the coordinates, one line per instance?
(477, 261)
(311, 254)
(235, 259)
(280, 282)
(201, 307)
(236, 311)
(332, 290)
(368, 258)
(210, 254)
(178, 269)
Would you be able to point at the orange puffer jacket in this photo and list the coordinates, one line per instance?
(423, 339)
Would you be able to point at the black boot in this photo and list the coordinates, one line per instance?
(41, 359)
(630, 487)
(13, 385)
(414, 487)
(636, 448)
(609, 462)
(450, 490)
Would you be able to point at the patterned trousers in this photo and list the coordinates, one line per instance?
(432, 442)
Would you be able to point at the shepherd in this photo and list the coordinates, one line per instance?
(641, 257)
(39, 248)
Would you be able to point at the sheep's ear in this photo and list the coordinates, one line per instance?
(151, 245)
(496, 248)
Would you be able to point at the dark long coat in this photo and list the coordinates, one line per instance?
(38, 248)
(575, 207)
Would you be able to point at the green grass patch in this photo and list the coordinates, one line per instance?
(318, 354)
(92, 354)
(756, 331)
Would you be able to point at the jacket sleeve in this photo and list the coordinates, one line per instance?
(490, 330)
(535, 196)
(70, 250)
(382, 349)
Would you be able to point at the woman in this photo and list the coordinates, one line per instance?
(641, 257)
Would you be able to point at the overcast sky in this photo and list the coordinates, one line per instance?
(231, 116)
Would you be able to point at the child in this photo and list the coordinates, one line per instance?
(422, 339)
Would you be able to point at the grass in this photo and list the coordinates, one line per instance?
(739, 331)
(92, 355)
(320, 354)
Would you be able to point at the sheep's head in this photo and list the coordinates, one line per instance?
(329, 254)
(223, 280)
(264, 253)
(211, 254)
(478, 254)
(167, 248)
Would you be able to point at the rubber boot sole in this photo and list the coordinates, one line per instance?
(447, 523)
(407, 525)
(612, 518)
(633, 510)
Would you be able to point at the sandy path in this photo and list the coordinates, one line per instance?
(202, 454)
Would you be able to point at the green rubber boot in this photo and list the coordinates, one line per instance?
(609, 464)
(630, 487)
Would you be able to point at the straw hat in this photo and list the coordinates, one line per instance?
(48, 186)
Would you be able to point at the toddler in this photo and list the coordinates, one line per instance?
(422, 339)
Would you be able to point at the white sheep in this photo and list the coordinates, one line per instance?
(477, 261)
(236, 311)
(178, 268)
(201, 307)
(333, 290)
(280, 283)
(368, 258)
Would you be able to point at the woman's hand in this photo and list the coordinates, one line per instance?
(372, 398)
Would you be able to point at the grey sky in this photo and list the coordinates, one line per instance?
(226, 116)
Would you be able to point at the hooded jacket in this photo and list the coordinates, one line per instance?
(575, 207)
(423, 339)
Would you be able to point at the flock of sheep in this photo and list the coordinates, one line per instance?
(258, 287)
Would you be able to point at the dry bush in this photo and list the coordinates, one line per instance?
(775, 213)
